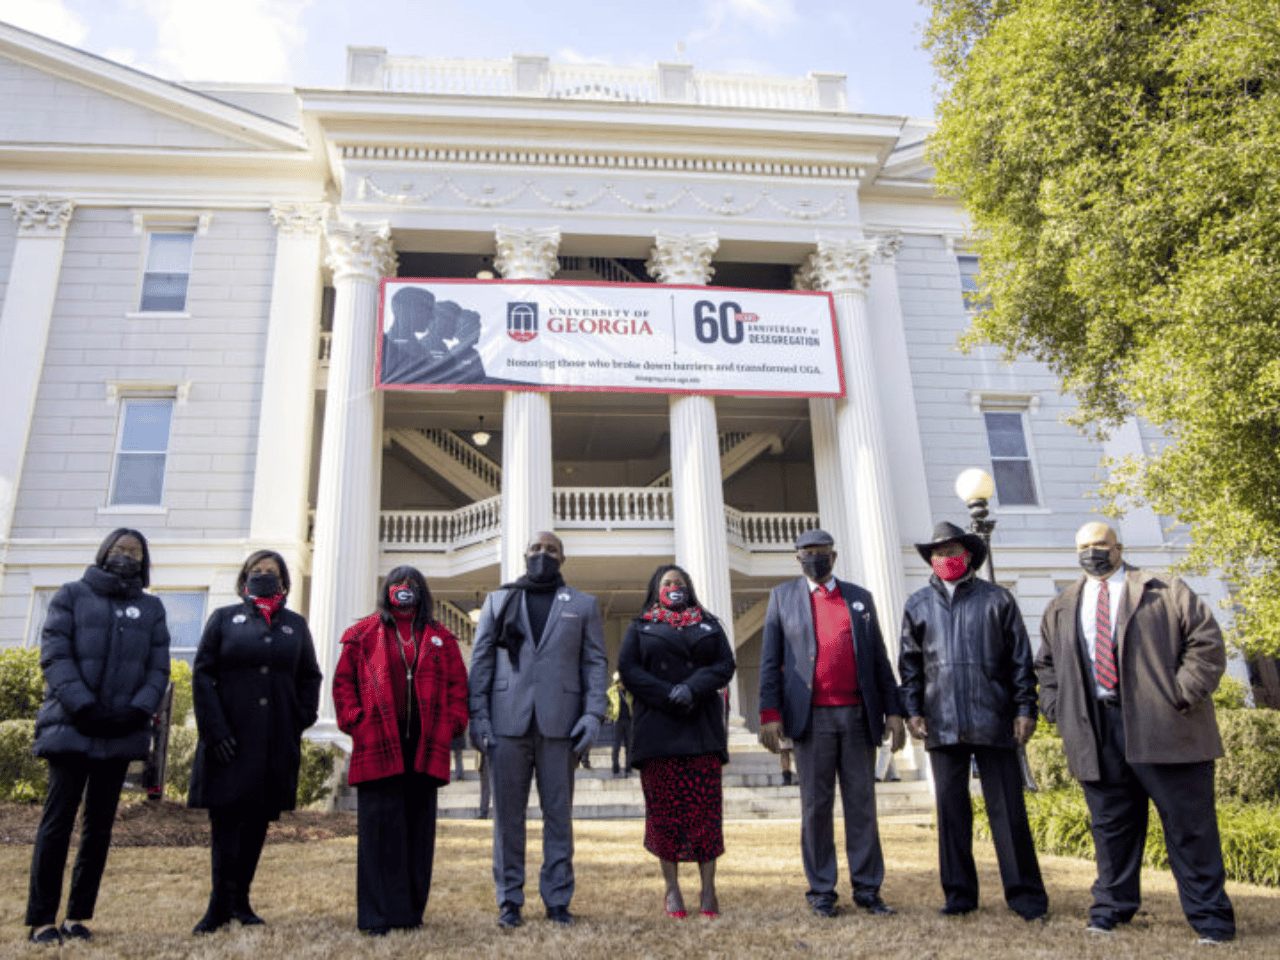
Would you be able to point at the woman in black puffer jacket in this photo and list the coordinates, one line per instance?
(105, 657)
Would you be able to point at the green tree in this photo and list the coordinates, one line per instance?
(1118, 161)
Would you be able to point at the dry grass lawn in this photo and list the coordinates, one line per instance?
(306, 892)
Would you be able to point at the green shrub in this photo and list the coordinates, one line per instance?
(182, 755)
(1250, 834)
(1048, 761)
(1231, 694)
(1250, 771)
(318, 762)
(180, 677)
(23, 778)
(21, 683)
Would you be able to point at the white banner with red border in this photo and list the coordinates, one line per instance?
(559, 335)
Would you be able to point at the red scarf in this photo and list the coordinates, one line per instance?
(676, 618)
(268, 605)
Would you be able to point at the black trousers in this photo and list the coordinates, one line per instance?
(236, 836)
(1184, 799)
(1000, 771)
(837, 746)
(396, 820)
(621, 742)
(72, 777)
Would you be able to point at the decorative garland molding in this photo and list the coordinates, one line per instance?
(42, 215)
(571, 199)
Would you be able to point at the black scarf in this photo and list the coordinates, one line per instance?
(510, 632)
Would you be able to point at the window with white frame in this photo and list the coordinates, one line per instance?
(184, 612)
(1011, 465)
(167, 272)
(969, 292)
(39, 610)
(142, 450)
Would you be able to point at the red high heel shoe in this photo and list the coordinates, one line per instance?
(674, 914)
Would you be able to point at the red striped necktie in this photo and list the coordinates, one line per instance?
(1104, 651)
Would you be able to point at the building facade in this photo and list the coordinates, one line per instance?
(189, 284)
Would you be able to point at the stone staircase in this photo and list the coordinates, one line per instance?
(753, 790)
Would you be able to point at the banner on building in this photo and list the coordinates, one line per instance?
(552, 335)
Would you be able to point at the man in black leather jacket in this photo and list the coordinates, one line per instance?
(969, 691)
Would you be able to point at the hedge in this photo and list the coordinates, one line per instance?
(21, 683)
(23, 778)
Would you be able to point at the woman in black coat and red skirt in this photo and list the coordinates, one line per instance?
(675, 660)
(255, 686)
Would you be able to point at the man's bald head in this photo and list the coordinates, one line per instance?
(1099, 549)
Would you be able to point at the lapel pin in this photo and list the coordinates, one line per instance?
(857, 605)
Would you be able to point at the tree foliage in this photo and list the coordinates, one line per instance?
(1118, 159)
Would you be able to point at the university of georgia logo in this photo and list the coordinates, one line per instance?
(522, 321)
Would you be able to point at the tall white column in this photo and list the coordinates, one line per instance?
(24, 331)
(285, 429)
(696, 487)
(842, 267)
(344, 565)
(526, 414)
(833, 513)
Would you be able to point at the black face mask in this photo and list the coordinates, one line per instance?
(816, 566)
(122, 565)
(262, 585)
(542, 566)
(1096, 561)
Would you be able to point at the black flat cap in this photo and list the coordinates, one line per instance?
(814, 538)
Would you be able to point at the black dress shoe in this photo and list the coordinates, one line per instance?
(211, 921)
(822, 908)
(560, 915)
(246, 917)
(378, 931)
(75, 931)
(876, 907)
(509, 916)
(956, 910)
(48, 937)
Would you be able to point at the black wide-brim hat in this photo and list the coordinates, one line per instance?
(946, 532)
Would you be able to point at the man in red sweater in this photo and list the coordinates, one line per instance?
(826, 682)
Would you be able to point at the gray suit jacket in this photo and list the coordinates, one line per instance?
(557, 680)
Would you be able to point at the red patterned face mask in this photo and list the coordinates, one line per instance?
(951, 568)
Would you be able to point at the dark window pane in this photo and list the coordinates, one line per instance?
(1005, 436)
(1014, 485)
(139, 479)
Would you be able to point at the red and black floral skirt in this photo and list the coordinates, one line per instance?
(683, 811)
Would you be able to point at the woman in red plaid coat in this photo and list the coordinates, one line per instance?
(400, 689)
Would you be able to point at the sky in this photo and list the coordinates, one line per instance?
(876, 43)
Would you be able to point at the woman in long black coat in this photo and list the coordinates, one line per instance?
(675, 660)
(256, 687)
(104, 652)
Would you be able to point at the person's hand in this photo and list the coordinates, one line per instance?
(681, 696)
(481, 734)
(919, 727)
(897, 732)
(224, 751)
(584, 733)
(771, 736)
(94, 720)
(1023, 728)
(129, 720)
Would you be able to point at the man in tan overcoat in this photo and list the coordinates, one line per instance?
(1128, 663)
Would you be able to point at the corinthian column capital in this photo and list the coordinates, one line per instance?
(42, 216)
(683, 258)
(360, 251)
(527, 254)
(296, 219)
(844, 266)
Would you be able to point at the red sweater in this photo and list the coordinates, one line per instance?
(366, 704)
(835, 672)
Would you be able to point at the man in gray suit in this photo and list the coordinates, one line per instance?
(826, 682)
(537, 694)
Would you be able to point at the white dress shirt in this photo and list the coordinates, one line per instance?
(1089, 617)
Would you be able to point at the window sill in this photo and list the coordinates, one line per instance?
(139, 509)
(1023, 511)
(157, 315)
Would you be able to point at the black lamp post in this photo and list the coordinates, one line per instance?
(975, 487)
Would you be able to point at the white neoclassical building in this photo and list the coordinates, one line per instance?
(189, 281)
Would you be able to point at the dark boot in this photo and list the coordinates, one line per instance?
(223, 840)
(253, 834)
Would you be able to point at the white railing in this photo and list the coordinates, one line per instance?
(526, 76)
(452, 445)
(455, 620)
(767, 531)
(440, 529)
(609, 508)
(326, 346)
(603, 267)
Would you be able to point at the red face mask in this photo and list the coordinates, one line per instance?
(951, 568)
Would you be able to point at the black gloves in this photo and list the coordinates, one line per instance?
(224, 751)
(681, 696)
(99, 720)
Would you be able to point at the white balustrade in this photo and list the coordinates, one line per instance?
(767, 531)
(452, 445)
(326, 347)
(610, 508)
(497, 78)
(455, 620)
(441, 529)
